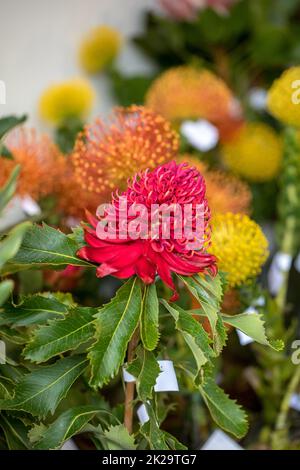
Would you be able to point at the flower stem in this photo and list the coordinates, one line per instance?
(130, 386)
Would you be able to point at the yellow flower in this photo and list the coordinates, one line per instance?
(254, 153)
(65, 100)
(99, 48)
(239, 245)
(283, 97)
(224, 192)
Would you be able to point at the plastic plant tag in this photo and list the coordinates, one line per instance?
(30, 207)
(128, 377)
(281, 264)
(200, 134)
(243, 338)
(69, 445)
(166, 381)
(220, 441)
(142, 414)
(258, 98)
(295, 401)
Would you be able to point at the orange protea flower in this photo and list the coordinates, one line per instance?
(224, 192)
(72, 200)
(189, 93)
(38, 157)
(106, 155)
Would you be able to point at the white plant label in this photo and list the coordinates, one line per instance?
(280, 265)
(220, 441)
(201, 134)
(166, 381)
(142, 414)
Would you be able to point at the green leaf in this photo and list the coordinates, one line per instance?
(252, 324)
(115, 325)
(15, 432)
(149, 317)
(172, 442)
(45, 247)
(33, 310)
(68, 424)
(150, 430)
(60, 336)
(6, 288)
(40, 391)
(13, 336)
(146, 370)
(208, 292)
(118, 438)
(9, 122)
(226, 412)
(193, 333)
(10, 245)
(9, 189)
(6, 387)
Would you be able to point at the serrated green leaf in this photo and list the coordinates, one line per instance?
(149, 317)
(252, 324)
(227, 414)
(15, 432)
(146, 370)
(193, 333)
(150, 430)
(115, 325)
(9, 189)
(6, 387)
(9, 122)
(68, 424)
(40, 391)
(172, 442)
(60, 336)
(45, 247)
(118, 438)
(6, 288)
(35, 309)
(13, 336)
(208, 292)
(10, 245)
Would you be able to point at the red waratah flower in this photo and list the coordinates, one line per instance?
(123, 257)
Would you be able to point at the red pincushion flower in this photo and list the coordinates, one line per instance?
(151, 253)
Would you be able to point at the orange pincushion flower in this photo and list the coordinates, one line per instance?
(188, 93)
(39, 159)
(224, 192)
(106, 155)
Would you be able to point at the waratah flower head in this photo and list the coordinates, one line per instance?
(99, 48)
(188, 93)
(283, 97)
(39, 159)
(255, 153)
(107, 154)
(66, 100)
(151, 253)
(188, 9)
(239, 245)
(224, 191)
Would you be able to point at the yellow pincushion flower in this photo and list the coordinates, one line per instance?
(69, 99)
(239, 245)
(255, 153)
(283, 97)
(99, 48)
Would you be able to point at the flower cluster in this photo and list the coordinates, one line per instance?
(255, 153)
(39, 159)
(66, 100)
(99, 48)
(225, 192)
(239, 246)
(283, 97)
(107, 154)
(189, 93)
(124, 257)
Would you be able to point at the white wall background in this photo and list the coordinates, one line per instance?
(39, 41)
